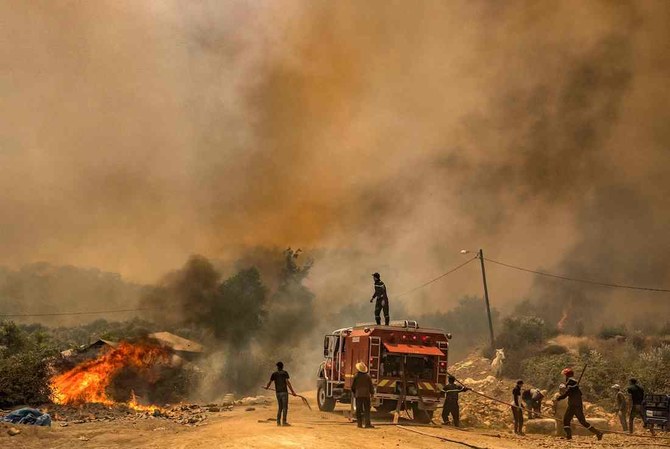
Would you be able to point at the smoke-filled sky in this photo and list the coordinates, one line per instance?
(385, 135)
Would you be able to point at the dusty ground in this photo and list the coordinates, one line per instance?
(256, 429)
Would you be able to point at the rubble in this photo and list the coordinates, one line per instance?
(477, 411)
(185, 414)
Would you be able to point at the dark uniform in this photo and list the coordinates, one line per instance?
(382, 301)
(451, 402)
(517, 410)
(575, 409)
(280, 378)
(363, 389)
(636, 393)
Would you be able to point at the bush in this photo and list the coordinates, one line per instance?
(522, 337)
(544, 371)
(24, 366)
(607, 332)
(554, 350)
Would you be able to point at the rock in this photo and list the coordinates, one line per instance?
(214, 409)
(541, 426)
(83, 438)
(12, 431)
(249, 409)
(64, 424)
(598, 423)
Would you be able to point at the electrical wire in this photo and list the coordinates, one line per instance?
(97, 312)
(437, 278)
(584, 281)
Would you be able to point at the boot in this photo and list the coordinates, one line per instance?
(568, 433)
(378, 320)
(596, 432)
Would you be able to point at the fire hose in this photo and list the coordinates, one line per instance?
(479, 393)
(303, 398)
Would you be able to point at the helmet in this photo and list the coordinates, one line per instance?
(568, 372)
(375, 275)
(616, 387)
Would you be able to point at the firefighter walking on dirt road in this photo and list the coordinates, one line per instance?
(382, 300)
(362, 389)
(451, 407)
(282, 385)
(575, 405)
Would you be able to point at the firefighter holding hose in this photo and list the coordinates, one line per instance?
(575, 405)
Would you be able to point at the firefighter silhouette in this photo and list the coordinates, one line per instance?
(382, 300)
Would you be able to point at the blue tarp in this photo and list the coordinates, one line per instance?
(28, 416)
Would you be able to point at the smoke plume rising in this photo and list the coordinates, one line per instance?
(385, 135)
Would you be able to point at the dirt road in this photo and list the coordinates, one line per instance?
(257, 429)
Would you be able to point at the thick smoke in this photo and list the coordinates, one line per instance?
(386, 135)
(245, 326)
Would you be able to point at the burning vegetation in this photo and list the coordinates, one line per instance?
(89, 382)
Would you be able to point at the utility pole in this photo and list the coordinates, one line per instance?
(480, 254)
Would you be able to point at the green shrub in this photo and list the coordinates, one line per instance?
(607, 332)
(554, 350)
(544, 371)
(24, 378)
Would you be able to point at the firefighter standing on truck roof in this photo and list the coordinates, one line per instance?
(362, 389)
(575, 405)
(451, 401)
(382, 300)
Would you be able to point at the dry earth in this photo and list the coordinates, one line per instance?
(256, 429)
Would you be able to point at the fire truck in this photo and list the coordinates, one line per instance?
(408, 366)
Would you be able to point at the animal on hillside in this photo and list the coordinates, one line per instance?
(497, 363)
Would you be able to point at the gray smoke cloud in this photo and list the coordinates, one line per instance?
(386, 136)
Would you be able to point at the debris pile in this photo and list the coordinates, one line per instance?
(185, 414)
(475, 372)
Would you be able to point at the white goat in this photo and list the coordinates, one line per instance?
(497, 363)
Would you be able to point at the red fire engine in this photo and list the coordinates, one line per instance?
(408, 366)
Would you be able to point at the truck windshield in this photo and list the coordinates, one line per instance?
(422, 367)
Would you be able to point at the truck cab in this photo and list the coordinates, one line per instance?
(408, 366)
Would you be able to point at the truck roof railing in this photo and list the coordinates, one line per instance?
(406, 324)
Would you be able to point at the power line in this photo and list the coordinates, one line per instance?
(99, 312)
(584, 281)
(437, 278)
(70, 313)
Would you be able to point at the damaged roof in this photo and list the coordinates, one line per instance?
(177, 343)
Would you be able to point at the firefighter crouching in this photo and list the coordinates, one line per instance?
(362, 389)
(575, 405)
(451, 406)
(382, 300)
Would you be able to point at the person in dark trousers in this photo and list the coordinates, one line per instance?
(527, 398)
(621, 406)
(517, 409)
(282, 385)
(362, 389)
(575, 405)
(382, 300)
(636, 394)
(451, 401)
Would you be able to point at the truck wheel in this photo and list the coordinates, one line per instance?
(421, 416)
(325, 403)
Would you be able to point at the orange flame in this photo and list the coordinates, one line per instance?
(88, 381)
(561, 323)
